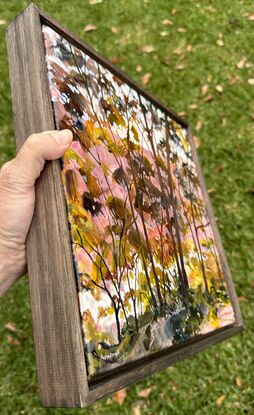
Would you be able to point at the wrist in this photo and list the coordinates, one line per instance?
(12, 265)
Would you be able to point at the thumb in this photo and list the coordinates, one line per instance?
(26, 167)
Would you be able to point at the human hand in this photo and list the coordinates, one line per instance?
(17, 199)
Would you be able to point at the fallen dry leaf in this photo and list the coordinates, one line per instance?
(189, 48)
(93, 2)
(11, 326)
(144, 393)
(209, 98)
(164, 33)
(174, 388)
(138, 68)
(219, 42)
(196, 141)
(2, 22)
(193, 106)
(219, 89)
(13, 341)
(115, 60)
(241, 63)
(238, 382)
(234, 79)
(146, 78)
(173, 11)
(198, 126)
(242, 299)
(179, 66)
(251, 81)
(90, 28)
(120, 396)
(248, 65)
(166, 22)
(182, 30)
(220, 400)
(178, 51)
(204, 89)
(147, 49)
(136, 410)
(182, 113)
(250, 16)
(210, 9)
(114, 29)
(211, 190)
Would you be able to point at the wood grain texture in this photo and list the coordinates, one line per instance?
(56, 321)
(55, 312)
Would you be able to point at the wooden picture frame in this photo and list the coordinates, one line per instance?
(62, 372)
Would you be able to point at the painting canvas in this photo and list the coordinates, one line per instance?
(148, 271)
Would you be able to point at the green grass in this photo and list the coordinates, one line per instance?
(226, 154)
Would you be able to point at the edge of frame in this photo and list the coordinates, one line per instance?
(55, 314)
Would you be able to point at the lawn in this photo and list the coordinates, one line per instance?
(200, 63)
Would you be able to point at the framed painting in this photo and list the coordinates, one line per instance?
(127, 271)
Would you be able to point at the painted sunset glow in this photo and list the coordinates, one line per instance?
(148, 270)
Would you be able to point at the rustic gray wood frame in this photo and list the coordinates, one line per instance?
(58, 340)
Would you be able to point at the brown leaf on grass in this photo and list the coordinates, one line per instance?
(10, 326)
(234, 79)
(248, 65)
(219, 89)
(167, 22)
(241, 63)
(249, 16)
(242, 299)
(173, 11)
(164, 33)
(238, 382)
(210, 9)
(178, 51)
(251, 81)
(144, 393)
(12, 340)
(146, 78)
(182, 30)
(179, 66)
(136, 410)
(114, 29)
(93, 2)
(189, 48)
(138, 68)
(220, 400)
(148, 49)
(196, 141)
(198, 126)
(115, 60)
(2, 22)
(120, 396)
(90, 28)
(182, 113)
(209, 98)
(219, 42)
(193, 106)
(211, 190)
(204, 89)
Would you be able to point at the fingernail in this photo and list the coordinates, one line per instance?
(63, 137)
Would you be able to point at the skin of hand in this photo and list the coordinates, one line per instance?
(17, 199)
